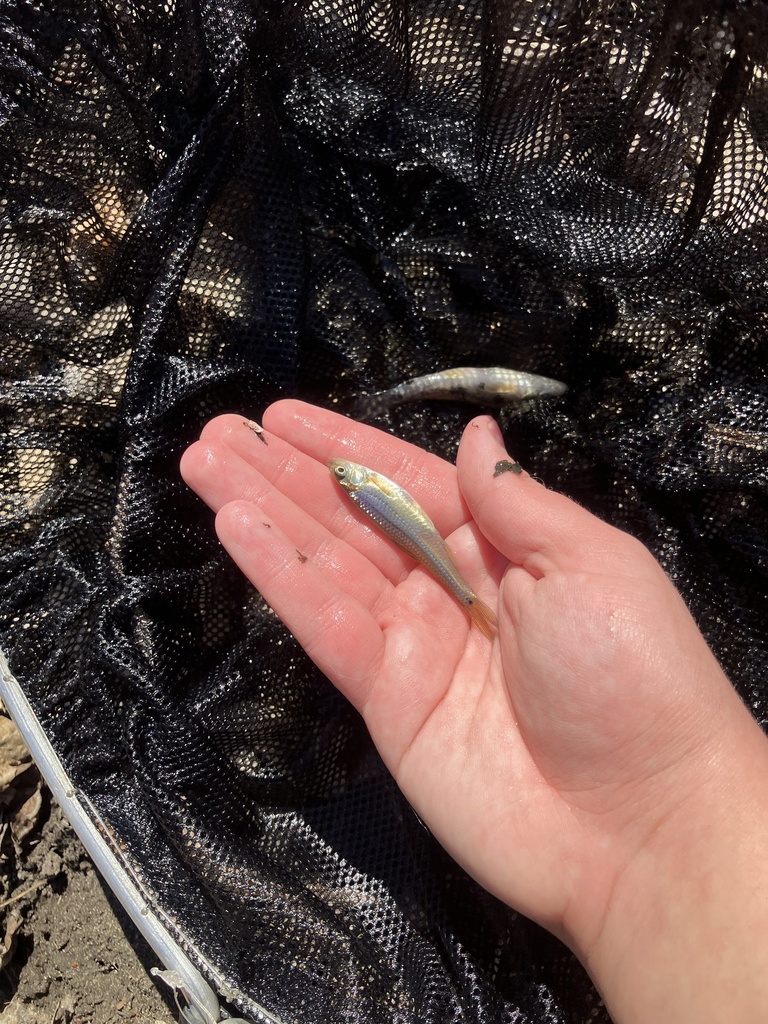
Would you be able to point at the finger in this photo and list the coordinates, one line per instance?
(216, 469)
(230, 462)
(216, 474)
(429, 479)
(299, 476)
(220, 476)
(531, 525)
(339, 634)
(479, 562)
(323, 435)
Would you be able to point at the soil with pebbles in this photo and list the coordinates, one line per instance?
(68, 953)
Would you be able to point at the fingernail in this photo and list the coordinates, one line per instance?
(494, 431)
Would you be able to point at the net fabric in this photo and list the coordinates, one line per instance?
(206, 207)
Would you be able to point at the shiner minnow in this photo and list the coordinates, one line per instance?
(481, 385)
(398, 516)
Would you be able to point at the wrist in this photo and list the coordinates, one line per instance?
(685, 932)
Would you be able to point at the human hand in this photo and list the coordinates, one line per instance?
(567, 764)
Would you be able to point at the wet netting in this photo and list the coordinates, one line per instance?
(206, 206)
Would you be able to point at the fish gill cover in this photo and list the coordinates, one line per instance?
(206, 206)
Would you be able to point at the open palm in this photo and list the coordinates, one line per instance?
(542, 760)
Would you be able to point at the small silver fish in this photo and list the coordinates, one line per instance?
(398, 516)
(480, 385)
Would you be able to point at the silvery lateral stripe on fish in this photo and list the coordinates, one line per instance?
(403, 520)
(480, 385)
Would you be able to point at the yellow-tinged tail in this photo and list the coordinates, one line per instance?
(483, 617)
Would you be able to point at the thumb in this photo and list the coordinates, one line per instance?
(530, 525)
(607, 649)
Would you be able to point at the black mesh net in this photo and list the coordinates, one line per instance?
(207, 206)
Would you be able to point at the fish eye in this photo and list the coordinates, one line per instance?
(341, 471)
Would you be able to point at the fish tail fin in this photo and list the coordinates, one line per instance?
(483, 617)
(367, 407)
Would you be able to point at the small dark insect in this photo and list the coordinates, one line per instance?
(302, 558)
(505, 466)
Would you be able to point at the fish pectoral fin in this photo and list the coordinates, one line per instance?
(387, 487)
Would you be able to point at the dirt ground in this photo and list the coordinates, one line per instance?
(67, 952)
